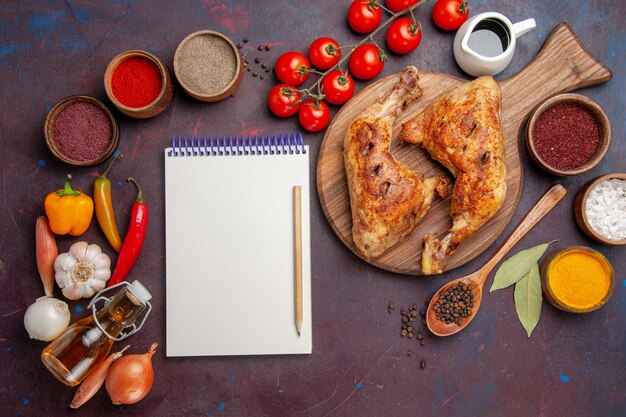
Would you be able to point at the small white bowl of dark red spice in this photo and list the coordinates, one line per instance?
(81, 131)
(138, 83)
(568, 134)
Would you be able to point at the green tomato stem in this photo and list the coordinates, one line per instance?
(306, 92)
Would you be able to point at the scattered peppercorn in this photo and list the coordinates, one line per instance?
(260, 48)
(268, 47)
(239, 46)
(423, 364)
(245, 40)
(261, 77)
(257, 60)
(455, 304)
(264, 66)
(407, 318)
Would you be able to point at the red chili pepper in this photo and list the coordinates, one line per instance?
(133, 240)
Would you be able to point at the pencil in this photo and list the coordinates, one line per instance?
(297, 252)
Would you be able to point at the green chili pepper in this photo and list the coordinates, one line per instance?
(104, 207)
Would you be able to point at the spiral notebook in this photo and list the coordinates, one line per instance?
(229, 232)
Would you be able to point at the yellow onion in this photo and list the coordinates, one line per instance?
(94, 380)
(130, 378)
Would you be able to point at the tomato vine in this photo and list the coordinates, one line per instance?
(308, 92)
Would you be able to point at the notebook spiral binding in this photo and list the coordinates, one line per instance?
(282, 144)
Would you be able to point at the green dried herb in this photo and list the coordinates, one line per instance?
(522, 270)
(517, 266)
(528, 299)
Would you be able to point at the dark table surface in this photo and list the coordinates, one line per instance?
(571, 366)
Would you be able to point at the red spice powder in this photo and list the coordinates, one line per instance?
(136, 82)
(82, 132)
(566, 136)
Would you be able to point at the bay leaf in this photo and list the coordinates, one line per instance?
(517, 266)
(528, 299)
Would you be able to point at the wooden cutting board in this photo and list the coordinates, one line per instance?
(563, 64)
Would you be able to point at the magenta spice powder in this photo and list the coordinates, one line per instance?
(82, 132)
(566, 136)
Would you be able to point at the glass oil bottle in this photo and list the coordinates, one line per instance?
(87, 342)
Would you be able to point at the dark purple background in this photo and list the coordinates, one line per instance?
(571, 366)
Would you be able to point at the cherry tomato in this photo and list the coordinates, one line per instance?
(283, 100)
(450, 14)
(324, 53)
(313, 116)
(338, 87)
(404, 35)
(399, 5)
(292, 68)
(364, 16)
(367, 61)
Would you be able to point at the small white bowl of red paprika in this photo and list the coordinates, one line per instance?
(568, 134)
(138, 83)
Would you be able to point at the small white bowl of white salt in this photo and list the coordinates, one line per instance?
(600, 209)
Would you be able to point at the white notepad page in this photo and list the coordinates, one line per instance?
(230, 254)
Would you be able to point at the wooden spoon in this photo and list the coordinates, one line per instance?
(478, 278)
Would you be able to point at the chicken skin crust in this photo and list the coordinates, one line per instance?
(387, 198)
(462, 130)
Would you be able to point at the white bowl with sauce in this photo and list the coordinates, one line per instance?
(485, 43)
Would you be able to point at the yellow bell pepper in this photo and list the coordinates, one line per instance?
(68, 210)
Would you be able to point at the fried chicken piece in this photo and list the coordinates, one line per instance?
(387, 198)
(462, 130)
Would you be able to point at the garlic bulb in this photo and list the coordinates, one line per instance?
(46, 318)
(83, 271)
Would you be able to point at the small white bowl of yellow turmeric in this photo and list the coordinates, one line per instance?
(577, 279)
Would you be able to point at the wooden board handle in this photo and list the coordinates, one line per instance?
(563, 64)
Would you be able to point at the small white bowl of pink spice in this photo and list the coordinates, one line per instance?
(568, 134)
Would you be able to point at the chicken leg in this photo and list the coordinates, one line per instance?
(462, 130)
(387, 198)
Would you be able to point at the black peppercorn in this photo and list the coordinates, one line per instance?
(454, 304)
